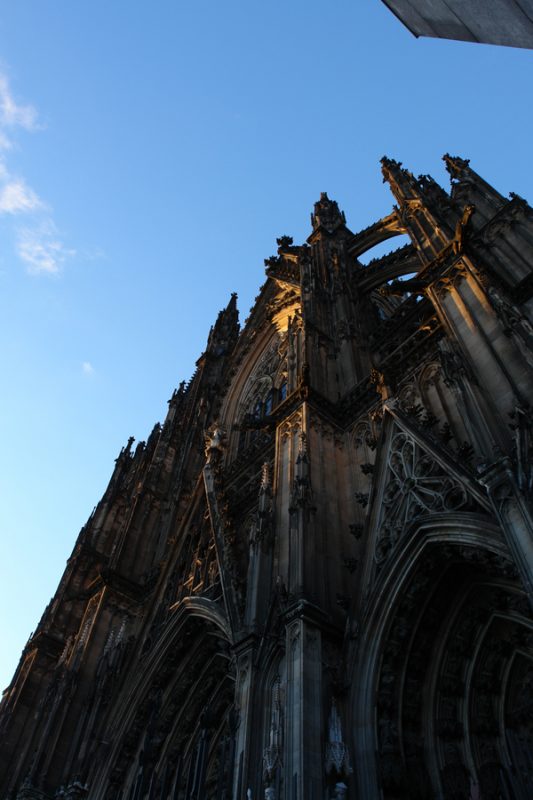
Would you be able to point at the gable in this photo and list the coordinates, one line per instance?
(413, 478)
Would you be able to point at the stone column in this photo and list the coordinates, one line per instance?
(244, 693)
(303, 746)
(514, 514)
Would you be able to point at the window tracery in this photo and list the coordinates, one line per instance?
(265, 389)
(416, 485)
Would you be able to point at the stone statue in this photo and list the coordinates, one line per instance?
(215, 441)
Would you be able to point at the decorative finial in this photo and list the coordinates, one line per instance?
(284, 241)
(388, 166)
(394, 173)
(327, 214)
(336, 751)
(455, 165)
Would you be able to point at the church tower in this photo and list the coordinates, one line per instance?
(314, 580)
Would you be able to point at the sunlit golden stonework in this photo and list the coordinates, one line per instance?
(314, 580)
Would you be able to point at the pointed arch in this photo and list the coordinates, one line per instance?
(432, 647)
(176, 709)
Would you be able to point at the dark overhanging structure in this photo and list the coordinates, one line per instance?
(314, 580)
(502, 22)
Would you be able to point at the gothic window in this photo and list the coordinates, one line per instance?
(269, 403)
(264, 389)
(261, 408)
(258, 412)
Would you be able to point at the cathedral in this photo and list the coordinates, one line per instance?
(314, 580)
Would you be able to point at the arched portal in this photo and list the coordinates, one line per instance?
(174, 729)
(443, 705)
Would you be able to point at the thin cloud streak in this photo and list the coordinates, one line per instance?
(11, 113)
(38, 245)
(41, 250)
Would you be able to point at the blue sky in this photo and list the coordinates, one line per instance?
(150, 154)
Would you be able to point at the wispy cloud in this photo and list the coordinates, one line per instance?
(38, 244)
(87, 368)
(12, 114)
(42, 250)
(5, 141)
(16, 197)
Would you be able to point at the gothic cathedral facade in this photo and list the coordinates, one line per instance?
(314, 580)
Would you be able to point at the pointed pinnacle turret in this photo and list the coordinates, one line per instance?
(327, 214)
(264, 507)
(226, 329)
(423, 207)
(455, 165)
(469, 188)
(302, 492)
(125, 452)
(401, 181)
(178, 395)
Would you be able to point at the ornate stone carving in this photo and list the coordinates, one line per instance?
(416, 486)
(337, 759)
(327, 214)
(215, 442)
(273, 752)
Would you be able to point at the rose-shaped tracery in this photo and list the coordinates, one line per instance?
(416, 486)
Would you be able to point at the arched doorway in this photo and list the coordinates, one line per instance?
(173, 731)
(447, 679)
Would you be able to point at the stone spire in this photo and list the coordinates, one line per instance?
(469, 188)
(401, 181)
(225, 331)
(423, 207)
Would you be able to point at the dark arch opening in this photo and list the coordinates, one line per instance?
(451, 720)
(175, 728)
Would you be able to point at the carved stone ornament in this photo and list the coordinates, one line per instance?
(272, 754)
(215, 442)
(327, 214)
(341, 791)
(336, 751)
(416, 486)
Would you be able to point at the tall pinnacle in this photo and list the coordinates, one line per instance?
(226, 329)
(327, 214)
